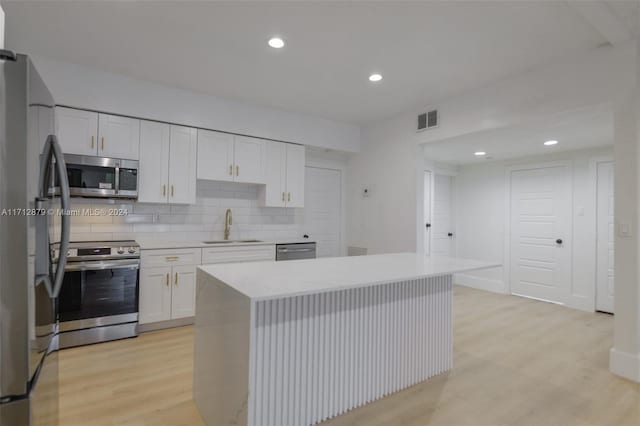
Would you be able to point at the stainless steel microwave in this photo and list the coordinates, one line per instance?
(102, 177)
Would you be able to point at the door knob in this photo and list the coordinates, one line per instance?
(450, 234)
(428, 225)
(559, 241)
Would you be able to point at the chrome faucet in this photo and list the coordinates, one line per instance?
(227, 224)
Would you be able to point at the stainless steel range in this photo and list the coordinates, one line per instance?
(99, 296)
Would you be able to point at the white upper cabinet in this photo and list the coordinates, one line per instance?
(230, 158)
(183, 153)
(295, 175)
(77, 131)
(249, 159)
(215, 156)
(119, 137)
(167, 164)
(153, 173)
(274, 192)
(284, 176)
(90, 133)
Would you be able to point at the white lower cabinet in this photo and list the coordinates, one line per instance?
(155, 295)
(183, 292)
(168, 278)
(168, 284)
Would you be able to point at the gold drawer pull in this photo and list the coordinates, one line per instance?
(102, 146)
(230, 169)
(172, 258)
(92, 142)
(237, 170)
(164, 190)
(167, 280)
(283, 197)
(175, 281)
(172, 190)
(289, 199)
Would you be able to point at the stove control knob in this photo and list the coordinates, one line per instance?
(132, 250)
(120, 250)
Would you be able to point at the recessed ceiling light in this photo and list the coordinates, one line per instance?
(375, 77)
(479, 153)
(276, 42)
(549, 143)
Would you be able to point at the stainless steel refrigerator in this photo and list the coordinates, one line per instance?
(29, 221)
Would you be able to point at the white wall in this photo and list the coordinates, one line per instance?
(389, 163)
(83, 87)
(482, 197)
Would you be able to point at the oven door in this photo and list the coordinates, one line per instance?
(98, 293)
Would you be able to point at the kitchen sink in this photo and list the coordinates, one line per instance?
(231, 241)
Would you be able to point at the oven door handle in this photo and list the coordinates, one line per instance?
(101, 265)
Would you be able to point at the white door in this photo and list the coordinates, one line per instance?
(183, 298)
(77, 131)
(540, 241)
(118, 137)
(215, 155)
(153, 175)
(442, 220)
(274, 192)
(182, 165)
(427, 225)
(249, 159)
(295, 175)
(322, 209)
(605, 235)
(155, 294)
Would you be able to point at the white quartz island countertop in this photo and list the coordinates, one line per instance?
(272, 280)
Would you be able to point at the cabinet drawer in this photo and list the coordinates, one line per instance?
(151, 258)
(238, 254)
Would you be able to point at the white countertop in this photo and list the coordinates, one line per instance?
(272, 280)
(167, 244)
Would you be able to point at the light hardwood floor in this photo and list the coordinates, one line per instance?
(516, 362)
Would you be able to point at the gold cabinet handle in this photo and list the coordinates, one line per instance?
(167, 280)
(172, 190)
(171, 258)
(92, 142)
(237, 170)
(289, 197)
(230, 169)
(102, 144)
(175, 280)
(164, 189)
(283, 197)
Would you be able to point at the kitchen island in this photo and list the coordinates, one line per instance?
(295, 343)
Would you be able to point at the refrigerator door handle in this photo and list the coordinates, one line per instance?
(52, 150)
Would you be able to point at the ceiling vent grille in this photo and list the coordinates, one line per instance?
(428, 120)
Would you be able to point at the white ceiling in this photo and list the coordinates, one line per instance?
(426, 51)
(581, 129)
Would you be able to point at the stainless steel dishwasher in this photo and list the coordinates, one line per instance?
(295, 251)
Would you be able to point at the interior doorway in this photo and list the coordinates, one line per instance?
(605, 237)
(443, 216)
(540, 232)
(322, 210)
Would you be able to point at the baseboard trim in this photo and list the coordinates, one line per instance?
(142, 328)
(467, 280)
(625, 364)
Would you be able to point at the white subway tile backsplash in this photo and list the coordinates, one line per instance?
(201, 221)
